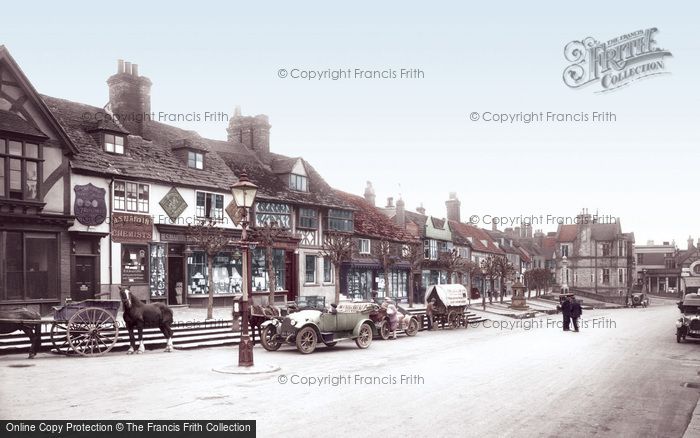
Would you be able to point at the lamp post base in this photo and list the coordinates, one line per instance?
(245, 352)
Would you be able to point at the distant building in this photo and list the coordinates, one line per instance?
(594, 257)
(656, 269)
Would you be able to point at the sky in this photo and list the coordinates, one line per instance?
(411, 137)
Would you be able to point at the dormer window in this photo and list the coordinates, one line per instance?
(195, 160)
(114, 144)
(298, 183)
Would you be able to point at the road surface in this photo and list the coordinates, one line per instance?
(625, 376)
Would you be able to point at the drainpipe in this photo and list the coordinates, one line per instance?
(111, 200)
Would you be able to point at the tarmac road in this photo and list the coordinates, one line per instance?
(621, 377)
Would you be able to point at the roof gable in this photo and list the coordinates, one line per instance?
(18, 96)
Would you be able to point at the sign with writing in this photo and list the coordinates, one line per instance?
(235, 213)
(128, 227)
(89, 207)
(173, 204)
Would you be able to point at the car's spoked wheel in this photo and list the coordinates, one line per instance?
(412, 328)
(364, 338)
(268, 338)
(384, 331)
(306, 340)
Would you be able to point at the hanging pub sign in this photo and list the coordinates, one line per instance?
(235, 213)
(173, 204)
(90, 207)
(128, 227)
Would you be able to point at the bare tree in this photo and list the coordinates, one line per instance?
(384, 251)
(488, 266)
(471, 269)
(504, 270)
(337, 246)
(412, 252)
(452, 262)
(267, 236)
(212, 240)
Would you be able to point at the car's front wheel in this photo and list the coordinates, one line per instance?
(268, 338)
(364, 337)
(412, 327)
(306, 340)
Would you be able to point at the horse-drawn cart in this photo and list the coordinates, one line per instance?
(87, 328)
(450, 304)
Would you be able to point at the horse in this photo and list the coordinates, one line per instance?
(138, 315)
(258, 315)
(33, 331)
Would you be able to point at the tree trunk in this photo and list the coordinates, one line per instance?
(337, 282)
(271, 275)
(210, 286)
(387, 289)
(411, 279)
(493, 290)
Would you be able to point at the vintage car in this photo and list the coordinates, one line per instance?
(688, 325)
(406, 322)
(307, 328)
(637, 299)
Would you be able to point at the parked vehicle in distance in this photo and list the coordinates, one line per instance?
(637, 299)
(688, 325)
(307, 328)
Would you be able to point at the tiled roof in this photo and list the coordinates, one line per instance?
(567, 233)
(605, 232)
(549, 244)
(13, 123)
(274, 187)
(465, 231)
(371, 222)
(438, 223)
(151, 160)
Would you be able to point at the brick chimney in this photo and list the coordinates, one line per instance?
(253, 132)
(690, 242)
(400, 213)
(453, 208)
(390, 203)
(421, 209)
(370, 196)
(130, 97)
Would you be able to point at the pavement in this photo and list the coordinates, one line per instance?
(622, 375)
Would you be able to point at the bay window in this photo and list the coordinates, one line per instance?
(308, 219)
(20, 169)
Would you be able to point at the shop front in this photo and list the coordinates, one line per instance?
(365, 281)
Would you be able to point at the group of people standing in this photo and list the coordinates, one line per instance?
(571, 310)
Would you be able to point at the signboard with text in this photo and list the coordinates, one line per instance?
(129, 227)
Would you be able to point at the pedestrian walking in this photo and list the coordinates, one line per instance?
(429, 309)
(576, 312)
(566, 312)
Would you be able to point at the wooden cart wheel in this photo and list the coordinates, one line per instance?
(59, 338)
(412, 327)
(92, 331)
(453, 319)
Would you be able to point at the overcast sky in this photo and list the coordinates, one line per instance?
(409, 136)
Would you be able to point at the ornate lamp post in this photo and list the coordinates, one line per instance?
(244, 192)
(565, 274)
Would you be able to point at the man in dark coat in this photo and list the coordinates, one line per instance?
(566, 312)
(576, 312)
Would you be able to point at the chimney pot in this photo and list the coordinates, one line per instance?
(135, 69)
(127, 67)
(120, 66)
(390, 202)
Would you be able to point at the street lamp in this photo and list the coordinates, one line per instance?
(244, 195)
(565, 273)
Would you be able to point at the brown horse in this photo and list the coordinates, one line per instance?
(33, 331)
(258, 315)
(138, 315)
